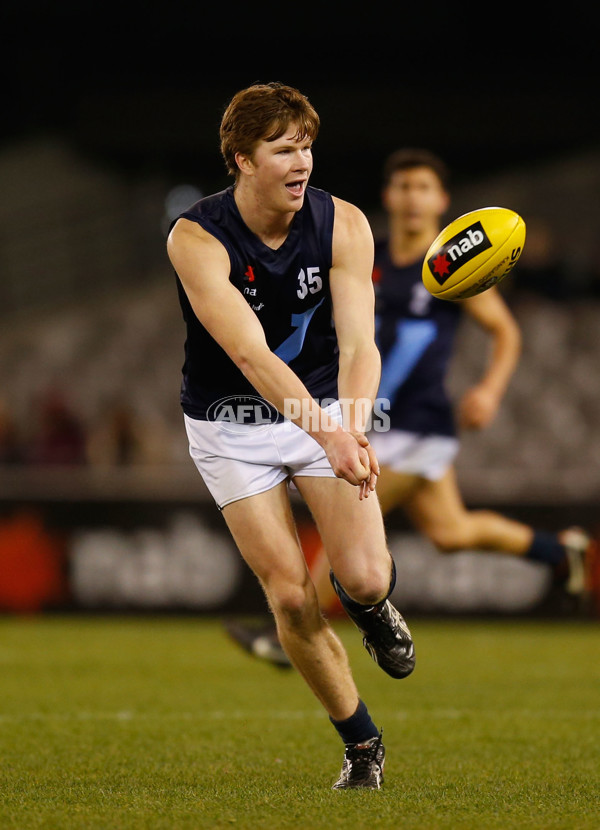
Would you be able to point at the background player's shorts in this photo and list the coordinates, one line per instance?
(241, 460)
(428, 456)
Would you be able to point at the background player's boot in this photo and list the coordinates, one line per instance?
(386, 635)
(363, 766)
(581, 557)
(261, 641)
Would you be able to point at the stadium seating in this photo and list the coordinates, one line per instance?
(129, 347)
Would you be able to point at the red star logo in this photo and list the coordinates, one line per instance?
(441, 265)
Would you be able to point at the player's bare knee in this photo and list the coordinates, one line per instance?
(292, 603)
(369, 586)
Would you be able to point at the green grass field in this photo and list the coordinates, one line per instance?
(120, 723)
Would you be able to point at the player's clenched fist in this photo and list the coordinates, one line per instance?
(351, 456)
(370, 483)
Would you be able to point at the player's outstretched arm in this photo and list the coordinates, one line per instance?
(480, 403)
(354, 315)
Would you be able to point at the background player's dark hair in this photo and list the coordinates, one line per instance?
(263, 112)
(411, 157)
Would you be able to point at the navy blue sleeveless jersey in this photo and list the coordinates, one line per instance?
(415, 335)
(287, 289)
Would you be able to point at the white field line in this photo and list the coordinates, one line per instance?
(296, 714)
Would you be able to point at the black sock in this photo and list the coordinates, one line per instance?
(358, 728)
(546, 548)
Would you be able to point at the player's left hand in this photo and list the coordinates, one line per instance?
(478, 408)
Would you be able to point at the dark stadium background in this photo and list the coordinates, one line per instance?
(135, 92)
(143, 85)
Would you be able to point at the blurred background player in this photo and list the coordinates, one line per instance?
(415, 333)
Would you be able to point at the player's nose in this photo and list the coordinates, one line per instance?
(302, 161)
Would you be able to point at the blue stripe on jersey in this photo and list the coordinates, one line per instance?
(412, 339)
(292, 346)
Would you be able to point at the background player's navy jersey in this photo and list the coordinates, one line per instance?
(288, 290)
(415, 335)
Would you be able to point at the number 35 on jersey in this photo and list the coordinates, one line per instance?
(309, 281)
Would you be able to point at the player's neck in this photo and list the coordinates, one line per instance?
(406, 248)
(269, 225)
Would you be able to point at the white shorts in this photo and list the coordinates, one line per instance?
(428, 456)
(239, 462)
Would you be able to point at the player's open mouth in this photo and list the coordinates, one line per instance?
(296, 188)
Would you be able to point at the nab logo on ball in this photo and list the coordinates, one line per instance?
(457, 251)
(474, 252)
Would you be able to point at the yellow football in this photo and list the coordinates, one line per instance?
(473, 252)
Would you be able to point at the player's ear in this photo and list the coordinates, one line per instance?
(244, 162)
(385, 196)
